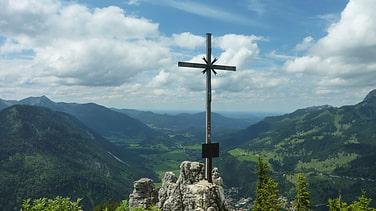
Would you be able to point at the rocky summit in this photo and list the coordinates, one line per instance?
(188, 192)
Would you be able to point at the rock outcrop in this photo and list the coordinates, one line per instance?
(189, 192)
(144, 194)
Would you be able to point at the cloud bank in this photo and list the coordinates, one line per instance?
(71, 52)
(72, 49)
(345, 59)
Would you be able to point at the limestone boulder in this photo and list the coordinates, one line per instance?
(144, 194)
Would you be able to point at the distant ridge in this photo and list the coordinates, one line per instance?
(188, 120)
(6, 103)
(98, 118)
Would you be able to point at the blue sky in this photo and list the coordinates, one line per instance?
(289, 54)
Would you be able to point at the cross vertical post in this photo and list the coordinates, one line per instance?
(208, 160)
(209, 150)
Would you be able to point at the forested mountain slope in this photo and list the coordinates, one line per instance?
(335, 147)
(44, 153)
(106, 122)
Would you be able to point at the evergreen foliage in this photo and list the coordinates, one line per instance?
(337, 205)
(302, 202)
(124, 206)
(267, 196)
(363, 204)
(65, 204)
(108, 206)
(57, 204)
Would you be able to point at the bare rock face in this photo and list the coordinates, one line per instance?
(190, 192)
(144, 194)
(168, 186)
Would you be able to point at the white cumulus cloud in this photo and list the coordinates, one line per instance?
(73, 44)
(188, 40)
(239, 50)
(345, 57)
(306, 44)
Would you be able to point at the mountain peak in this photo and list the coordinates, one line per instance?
(41, 101)
(370, 98)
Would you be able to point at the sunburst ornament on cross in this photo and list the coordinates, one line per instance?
(209, 150)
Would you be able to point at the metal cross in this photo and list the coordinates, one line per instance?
(209, 150)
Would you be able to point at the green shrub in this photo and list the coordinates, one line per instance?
(57, 204)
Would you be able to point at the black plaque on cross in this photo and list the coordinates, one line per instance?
(209, 150)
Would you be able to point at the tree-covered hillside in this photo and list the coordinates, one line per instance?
(335, 147)
(102, 120)
(44, 153)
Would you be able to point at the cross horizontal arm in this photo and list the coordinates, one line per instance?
(224, 67)
(198, 65)
(194, 65)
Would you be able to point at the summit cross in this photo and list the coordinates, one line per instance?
(209, 150)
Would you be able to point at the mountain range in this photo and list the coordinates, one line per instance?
(99, 122)
(128, 124)
(333, 146)
(45, 153)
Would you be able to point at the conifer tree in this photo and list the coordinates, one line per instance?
(302, 202)
(267, 197)
(362, 204)
(336, 205)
